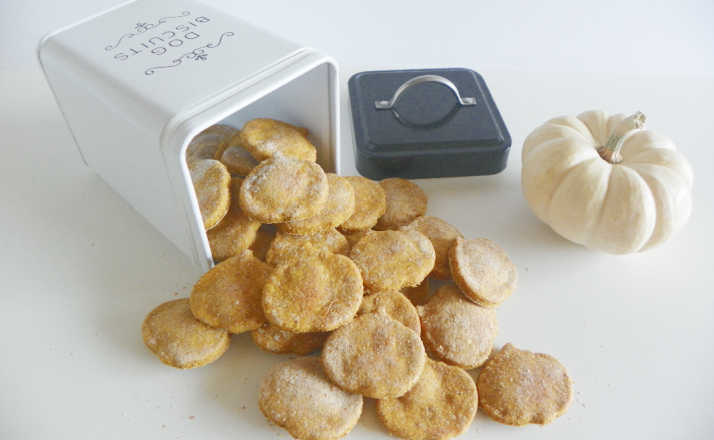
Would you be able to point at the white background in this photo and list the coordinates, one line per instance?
(79, 269)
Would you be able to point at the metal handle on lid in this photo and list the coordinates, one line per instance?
(388, 105)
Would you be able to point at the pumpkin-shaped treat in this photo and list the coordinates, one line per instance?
(605, 182)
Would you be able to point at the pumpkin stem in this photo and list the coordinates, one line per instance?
(611, 150)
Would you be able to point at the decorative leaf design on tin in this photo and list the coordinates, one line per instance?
(143, 27)
(197, 54)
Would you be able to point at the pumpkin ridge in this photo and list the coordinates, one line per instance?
(601, 211)
(652, 141)
(565, 175)
(586, 236)
(641, 180)
(540, 146)
(634, 165)
(552, 130)
(596, 122)
(575, 123)
(549, 142)
(657, 207)
(554, 147)
(529, 144)
(635, 161)
(645, 172)
(591, 139)
(654, 202)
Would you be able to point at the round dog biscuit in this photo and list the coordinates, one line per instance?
(178, 339)
(482, 270)
(287, 246)
(517, 387)
(442, 236)
(392, 260)
(264, 138)
(202, 147)
(222, 130)
(297, 396)
(276, 340)
(440, 406)
(237, 159)
(405, 202)
(339, 207)
(211, 182)
(418, 295)
(315, 293)
(457, 331)
(228, 296)
(370, 204)
(393, 304)
(374, 355)
(209, 143)
(284, 189)
(236, 232)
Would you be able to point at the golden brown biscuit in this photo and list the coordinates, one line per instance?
(339, 207)
(237, 159)
(178, 339)
(440, 406)
(370, 204)
(263, 240)
(392, 260)
(443, 236)
(374, 355)
(482, 270)
(297, 396)
(222, 130)
(264, 138)
(284, 189)
(418, 295)
(201, 147)
(236, 232)
(316, 293)
(457, 331)
(228, 296)
(209, 143)
(405, 202)
(211, 183)
(394, 305)
(286, 246)
(517, 387)
(276, 340)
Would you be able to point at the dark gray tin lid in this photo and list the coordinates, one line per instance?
(426, 123)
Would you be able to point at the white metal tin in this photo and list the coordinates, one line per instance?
(137, 82)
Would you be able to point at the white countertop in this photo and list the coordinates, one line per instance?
(80, 269)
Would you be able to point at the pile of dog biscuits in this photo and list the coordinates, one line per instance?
(309, 262)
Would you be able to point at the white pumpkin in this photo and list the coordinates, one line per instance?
(605, 182)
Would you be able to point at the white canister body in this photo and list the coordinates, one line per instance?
(137, 82)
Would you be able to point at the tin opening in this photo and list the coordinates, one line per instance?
(304, 102)
(304, 99)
